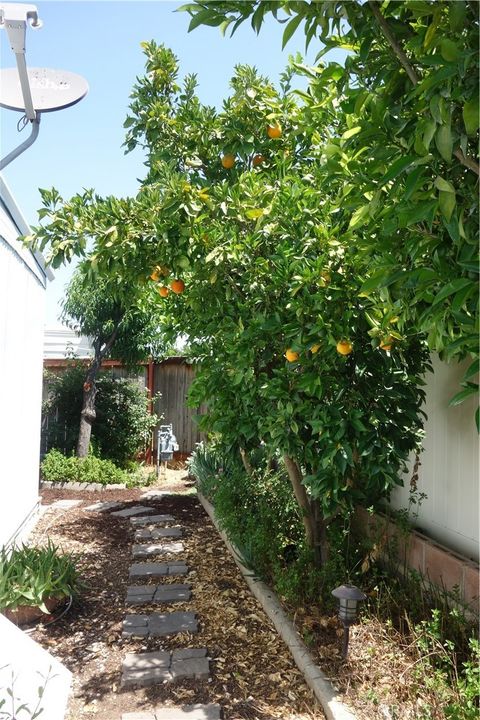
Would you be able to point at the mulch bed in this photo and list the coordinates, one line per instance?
(252, 674)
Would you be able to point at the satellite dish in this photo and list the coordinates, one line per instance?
(51, 89)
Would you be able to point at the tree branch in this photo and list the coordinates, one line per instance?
(397, 48)
(404, 61)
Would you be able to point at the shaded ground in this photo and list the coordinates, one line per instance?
(252, 673)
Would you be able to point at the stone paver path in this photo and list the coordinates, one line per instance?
(152, 549)
(158, 533)
(102, 507)
(152, 520)
(146, 570)
(157, 667)
(150, 594)
(131, 511)
(150, 668)
(159, 624)
(189, 712)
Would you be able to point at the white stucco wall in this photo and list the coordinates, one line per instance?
(22, 296)
(449, 472)
(24, 668)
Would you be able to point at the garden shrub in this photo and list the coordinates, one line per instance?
(56, 467)
(122, 426)
(29, 575)
(260, 516)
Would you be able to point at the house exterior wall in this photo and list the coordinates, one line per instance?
(449, 471)
(22, 296)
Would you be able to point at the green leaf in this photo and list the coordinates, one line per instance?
(444, 142)
(290, 28)
(398, 167)
(471, 116)
(461, 396)
(446, 203)
(472, 370)
(451, 287)
(359, 217)
(254, 213)
(350, 133)
(457, 14)
(444, 185)
(449, 50)
(375, 281)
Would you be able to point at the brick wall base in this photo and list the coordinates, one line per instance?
(447, 570)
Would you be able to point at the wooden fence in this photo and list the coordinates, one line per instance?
(171, 378)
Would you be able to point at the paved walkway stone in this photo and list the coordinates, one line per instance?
(189, 712)
(157, 667)
(165, 548)
(152, 520)
(158, 533)
(144, 570)
(159, 624)
(104, 506)
(145, 594)
(129, 512)
(64, 504)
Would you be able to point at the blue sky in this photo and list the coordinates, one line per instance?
(81, 147)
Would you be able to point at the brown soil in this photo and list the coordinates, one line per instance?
(252, 673)
(253, 676)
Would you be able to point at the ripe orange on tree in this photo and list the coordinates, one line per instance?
(291, 355)
(163, 291)
(386, 343)
(274, 131)
(258, 160)
(178, 286)
(156, 273)
(344, 347)
(228, 161)
(315, 348)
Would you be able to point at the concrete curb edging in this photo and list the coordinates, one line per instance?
(318, 682)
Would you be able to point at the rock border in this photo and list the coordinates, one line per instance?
(321, 686)
(47, 484)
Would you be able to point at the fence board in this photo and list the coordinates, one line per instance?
(172, 379)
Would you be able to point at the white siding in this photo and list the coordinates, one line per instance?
(22, 292)
(449, 471)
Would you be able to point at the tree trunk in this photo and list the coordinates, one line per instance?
(295, 475)
(312, 518)
(246, 462)
(88, 413)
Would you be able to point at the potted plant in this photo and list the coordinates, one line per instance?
(34, 581)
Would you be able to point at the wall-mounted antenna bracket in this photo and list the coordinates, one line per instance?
(40, 89)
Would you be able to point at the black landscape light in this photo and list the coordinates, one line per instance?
(349, 597)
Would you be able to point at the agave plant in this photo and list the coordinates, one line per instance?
(30, 575)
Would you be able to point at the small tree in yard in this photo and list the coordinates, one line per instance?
(122, 425)
(118, 320)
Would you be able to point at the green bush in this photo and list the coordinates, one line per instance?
(56, 467)
(30, 575)
(122, 426)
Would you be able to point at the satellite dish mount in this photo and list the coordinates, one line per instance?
(40, 89)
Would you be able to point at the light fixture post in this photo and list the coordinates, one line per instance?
(349, 596)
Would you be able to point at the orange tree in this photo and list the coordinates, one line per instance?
(267, 265)
(397, 132)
